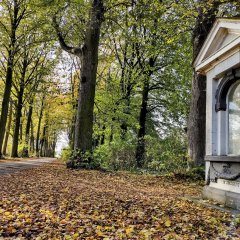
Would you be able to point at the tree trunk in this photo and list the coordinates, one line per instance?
(39, 126)
(32, 138)
(6, 98)
(72, 128)
(140, 150)
(15, 21)
(8, 129)
(88, 55)
(21, 131)
(17, 122)
(89, 59)
(27, 132)
(197, 115)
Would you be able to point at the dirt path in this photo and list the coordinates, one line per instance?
(52, 202)
(8, 167)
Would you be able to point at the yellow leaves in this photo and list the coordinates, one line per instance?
(75, 235)
(28, 220)
(170, 40)
(145, 233)
(213, 221)
(108, 228)
(7, 213)
(22, 196)
(100, 234)
(129, 230)
(20, 216)
(102, 216)
(47, 213)
(67, 237)
(168, 223)
(99, 227)
(98, 205)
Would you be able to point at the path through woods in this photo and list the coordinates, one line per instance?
(52, 202)
(8, 166)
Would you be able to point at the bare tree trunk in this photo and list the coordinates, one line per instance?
(197, 115)
(8, 129)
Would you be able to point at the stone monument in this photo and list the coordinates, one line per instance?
(219, 61)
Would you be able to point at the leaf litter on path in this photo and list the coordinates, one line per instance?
(52, 202)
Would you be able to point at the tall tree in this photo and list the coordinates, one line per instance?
(16, 10)
(207, 13)
(27, 73)
(88, 55)
(4, 151)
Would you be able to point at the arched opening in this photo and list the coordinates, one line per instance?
(234, 119)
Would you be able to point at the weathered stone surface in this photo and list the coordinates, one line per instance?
(227, 198)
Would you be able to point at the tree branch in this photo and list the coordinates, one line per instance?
(73, 50)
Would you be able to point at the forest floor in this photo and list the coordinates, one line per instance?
(52, 202)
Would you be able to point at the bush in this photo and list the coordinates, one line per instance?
(117, 155)
(66, 154)
(166, 155)
(195, 173)
(23, 150)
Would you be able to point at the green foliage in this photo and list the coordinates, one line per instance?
(22, 149)
(193, 174)
(85, 160)
(166, 155)
(133, 33)
(117, 155)
(66, 154)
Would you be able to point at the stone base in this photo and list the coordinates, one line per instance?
(227, 198)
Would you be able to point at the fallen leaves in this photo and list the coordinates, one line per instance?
(52, 202)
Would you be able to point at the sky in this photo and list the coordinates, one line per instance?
(62, 142)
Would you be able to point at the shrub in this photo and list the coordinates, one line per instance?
(117, 155)
(66, 154)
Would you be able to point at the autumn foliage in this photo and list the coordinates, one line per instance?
(52, 202)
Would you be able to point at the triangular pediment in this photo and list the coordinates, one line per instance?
(223, 37)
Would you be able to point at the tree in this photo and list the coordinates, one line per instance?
(197, 117)
(88, 55)
(16, 10)
(26, 76)
(142, 68)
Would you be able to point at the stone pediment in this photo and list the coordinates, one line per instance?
(223, 38)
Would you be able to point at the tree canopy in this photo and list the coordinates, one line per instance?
(114, 76)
